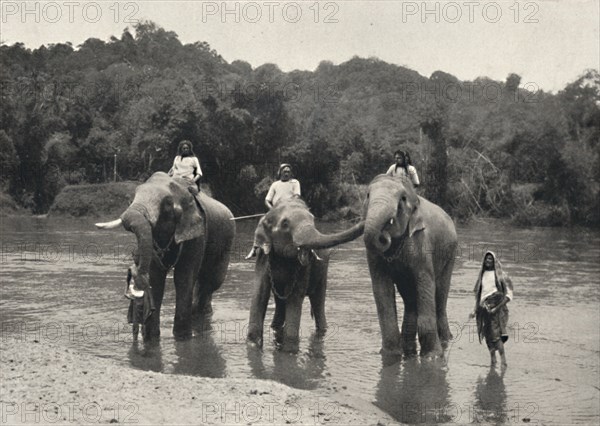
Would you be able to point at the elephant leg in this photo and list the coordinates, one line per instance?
(317, 299)
(151, 329)
(384, 293)
(291, 328)
(278, 320)
(443, 328)
(260, 300)
(427, 315)
(446, 265)
(409, 322)
(279, 316)
(185, 275)
(210, 278)
(202, 305)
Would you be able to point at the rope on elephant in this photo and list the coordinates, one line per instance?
(247, 217)
(294, 280)
(159, 253)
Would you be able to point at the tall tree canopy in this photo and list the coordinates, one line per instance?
(481, 147)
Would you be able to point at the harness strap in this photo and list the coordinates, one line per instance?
(159, 253)
(291, 288)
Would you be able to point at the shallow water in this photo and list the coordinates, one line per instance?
(62, 282)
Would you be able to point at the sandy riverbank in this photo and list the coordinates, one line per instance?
(47, 384)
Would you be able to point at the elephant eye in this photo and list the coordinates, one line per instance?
(404, 198)
(285, 223)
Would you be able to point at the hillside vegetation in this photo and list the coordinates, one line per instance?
(483, 147)
(99, 200)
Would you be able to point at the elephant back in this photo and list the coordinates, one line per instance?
(437, 223)
(219, 228)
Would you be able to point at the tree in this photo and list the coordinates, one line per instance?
(9, 160)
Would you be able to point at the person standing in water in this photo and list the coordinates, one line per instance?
(493, 290)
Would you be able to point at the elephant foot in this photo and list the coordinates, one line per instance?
(202, 327)
(254, 343)
(207, 309)
(182, 334)
(254, 338)
(290, 345)
(430, 345)
(150, 333)
(200, 317)
(409, 348)
(278, 336)
(433, 354)
(151, 338)
(277, 329)
(390, 357)
(320, 333)
(203, 312)
(277, 325)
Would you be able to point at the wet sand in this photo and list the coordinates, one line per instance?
(41, 383)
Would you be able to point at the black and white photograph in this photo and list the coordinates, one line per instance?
(305, 212)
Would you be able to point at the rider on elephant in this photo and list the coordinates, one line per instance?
(493, 290)
(282, 189)
(187, 166)
(403, 168)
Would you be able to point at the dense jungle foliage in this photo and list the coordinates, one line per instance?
(483, 147)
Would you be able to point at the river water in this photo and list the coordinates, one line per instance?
(62, 282)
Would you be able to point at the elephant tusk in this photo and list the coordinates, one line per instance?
(391, 221)
(316, 255)
(109, 225)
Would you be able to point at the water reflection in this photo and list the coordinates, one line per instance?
(301, 371)
(199, 356)
(415, 391)
(146, 356)
(490, 398)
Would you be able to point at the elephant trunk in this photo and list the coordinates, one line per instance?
(379, 215)
(308, 237)
(135, 221)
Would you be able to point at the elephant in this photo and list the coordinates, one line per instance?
(191, 234)
(292, 262)
(411, 245)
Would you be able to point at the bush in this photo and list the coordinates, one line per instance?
(348, 200)
(543, 214)
(94, 199)
(8, 206)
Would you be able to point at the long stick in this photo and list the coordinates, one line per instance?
(247, 217)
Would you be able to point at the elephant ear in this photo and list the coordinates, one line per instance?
(262, 236)
(189, 223)
(415, 223)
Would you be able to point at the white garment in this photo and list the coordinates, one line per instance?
(186, 167)
(397, 171)
(281, 190)
(488, 285)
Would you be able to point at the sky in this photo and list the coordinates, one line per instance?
(548, 43)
